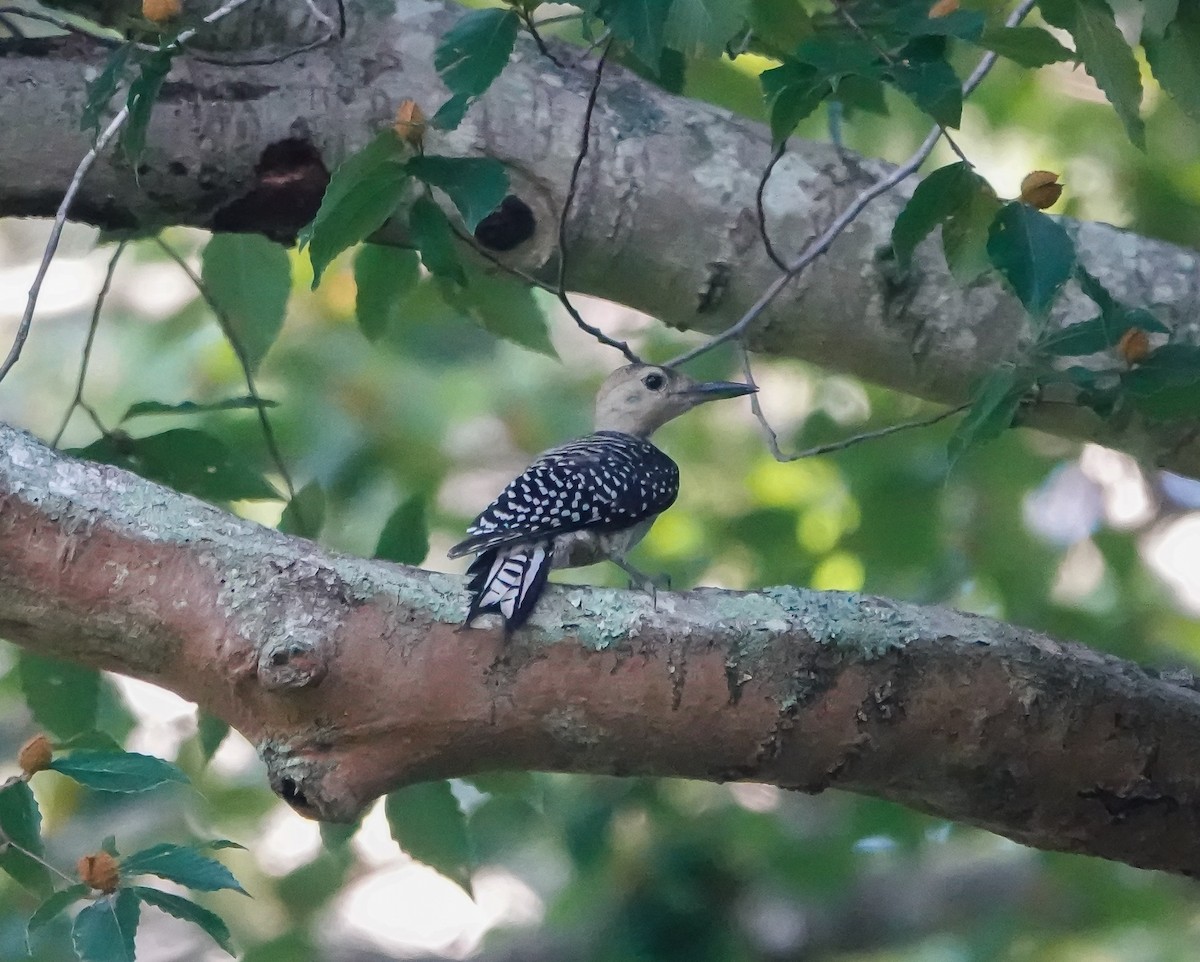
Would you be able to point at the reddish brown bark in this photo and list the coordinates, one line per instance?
(351, 677)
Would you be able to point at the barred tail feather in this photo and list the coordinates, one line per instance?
(508, 581)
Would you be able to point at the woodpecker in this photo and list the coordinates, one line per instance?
(586, 501)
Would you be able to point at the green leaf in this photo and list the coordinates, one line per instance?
(432, 236)
(182, 864)
(1172, 403)
(965, 235)
(1105, 54)
(405, 535)
(963, 24)
(1077, 340)
(1174, 58)
(92, 741)
(427, 822)
(792, 92)
(470, 56)
(249, 278)
(188, 911)
(1033, 253)
(362, 194)
(780, 24)
(53, 907)
(104, 931)
(939, 195)
(1028, 46)
(143, 408)
(382, 276)
(505, 307)
(143, 92)
(992, 410)
(62, 696)
(450, 114)
(475, 185)
(102, 90)
(933, 86)
(702, 28)
(836, 56)
(187, 460)
(640, 24)
(305, 513)
(210, 731)
(1156, 17)
(117, 771)
(20, 824)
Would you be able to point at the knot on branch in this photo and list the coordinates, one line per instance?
(308, 783)
(292, 612)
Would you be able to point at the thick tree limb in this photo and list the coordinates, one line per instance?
(664, 220)
(351, 678)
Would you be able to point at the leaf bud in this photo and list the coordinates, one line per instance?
(99, 871)
(410, 122)
(1041, 189)
(35, 755)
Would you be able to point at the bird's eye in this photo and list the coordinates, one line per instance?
(654, 381)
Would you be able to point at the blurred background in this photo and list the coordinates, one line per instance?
(440, 413)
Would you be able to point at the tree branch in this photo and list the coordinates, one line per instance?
(664, 219)
(351, 676)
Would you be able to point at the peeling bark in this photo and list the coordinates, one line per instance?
(664, 220)
(352, 678)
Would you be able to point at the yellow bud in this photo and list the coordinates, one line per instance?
(942, 8)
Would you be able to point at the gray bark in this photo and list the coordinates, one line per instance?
(664, 220)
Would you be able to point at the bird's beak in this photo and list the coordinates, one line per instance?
(716, 390)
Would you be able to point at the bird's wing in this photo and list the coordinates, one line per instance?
(605, 481)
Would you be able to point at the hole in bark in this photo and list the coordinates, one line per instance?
(510, 224)
(279, 658)
(291, 793)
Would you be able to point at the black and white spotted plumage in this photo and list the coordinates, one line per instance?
(577, 504)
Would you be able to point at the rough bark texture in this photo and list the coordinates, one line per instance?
(352, 678)
(664, 220)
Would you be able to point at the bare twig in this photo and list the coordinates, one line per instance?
(527, 18)
(824, 241)
(572, 187)
(61, 23)
(227, 328)
(762, 214)
(64, 208)
(832, 446)
(6, 841)
(77, 400)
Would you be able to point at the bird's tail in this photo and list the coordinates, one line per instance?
(508, 580)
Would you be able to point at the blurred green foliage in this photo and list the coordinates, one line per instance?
(399, 424)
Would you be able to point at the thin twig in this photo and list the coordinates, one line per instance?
(227, 328)
(77, 400)
(60, 216)
(822, 243)
(527, 17)
(572, 187)
(60, 22)
(6, 841)
(762, 214)
(832, 446)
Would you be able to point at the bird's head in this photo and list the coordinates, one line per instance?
(640, 398)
